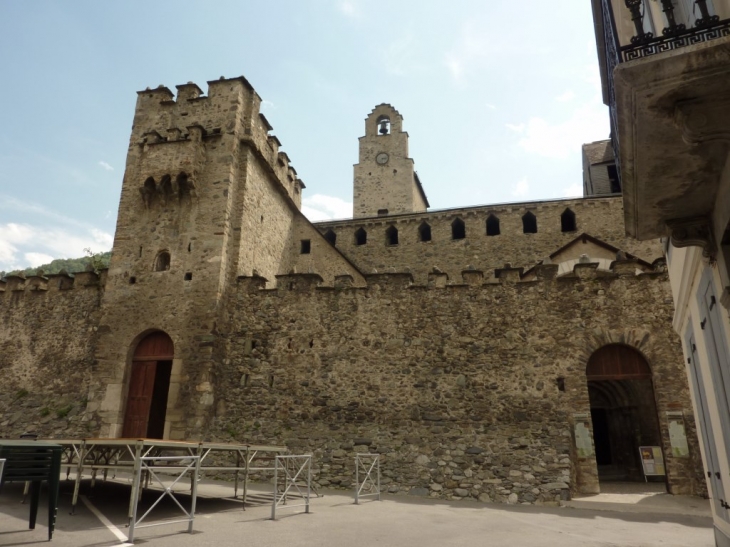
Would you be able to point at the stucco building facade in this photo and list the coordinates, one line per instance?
(664, 68)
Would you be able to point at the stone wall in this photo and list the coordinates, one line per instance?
(205, 182)
(47, 353)
(457, 387)
(599, 217)
(468, 385)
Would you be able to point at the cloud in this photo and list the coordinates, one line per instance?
(568, 96)
(106, 166)
(573, 191)
(559, 140)
(399, 56)
(17, 205)
(37, 259)
(267, 105)
(349, 7)
(517, 128)
(322, 207)
(490, 106)
(23, 245)
(521, 189)
(471, 49)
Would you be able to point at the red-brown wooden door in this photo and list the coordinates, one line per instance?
(617, 362)
(139, 400)
(150, 369)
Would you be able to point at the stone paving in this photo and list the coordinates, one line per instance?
(335, 521)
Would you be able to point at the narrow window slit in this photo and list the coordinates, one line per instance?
(529, 223)
(493, 226)
(361, 237)
(331, 236)
(424, 232)
(391, 235)
(458, 229)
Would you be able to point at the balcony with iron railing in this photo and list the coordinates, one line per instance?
(668, 93)
(675, 34)
(643, 43)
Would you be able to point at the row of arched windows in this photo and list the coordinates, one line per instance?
(166, 188)
(458, 229)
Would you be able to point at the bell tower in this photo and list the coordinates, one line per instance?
(385, 180)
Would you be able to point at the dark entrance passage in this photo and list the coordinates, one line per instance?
(149, 385)
(623, 411)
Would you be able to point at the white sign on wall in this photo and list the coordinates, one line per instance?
(677, 435)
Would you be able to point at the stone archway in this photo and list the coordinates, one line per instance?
(149, 386)
(623, 411)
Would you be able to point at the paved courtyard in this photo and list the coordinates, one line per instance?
(646, 519)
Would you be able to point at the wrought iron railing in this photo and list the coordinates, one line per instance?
(613, 58)
(674, 36)
(644, 44)
(679, 39)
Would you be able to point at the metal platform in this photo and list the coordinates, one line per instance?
(94, 455)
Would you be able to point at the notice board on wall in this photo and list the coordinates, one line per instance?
(652, 460)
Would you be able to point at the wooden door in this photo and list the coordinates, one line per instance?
(139, 400)
(149, 383)
(617, 362)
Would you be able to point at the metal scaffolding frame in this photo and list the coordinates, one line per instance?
(297, 474)
(188, 464)
(367, 463)
(102, 454)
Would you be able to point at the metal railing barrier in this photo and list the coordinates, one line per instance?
(296, 472)
(365, 466)
(188, 464)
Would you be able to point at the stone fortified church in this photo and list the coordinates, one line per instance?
(517, 352)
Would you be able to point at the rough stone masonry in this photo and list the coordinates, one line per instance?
(461, 360)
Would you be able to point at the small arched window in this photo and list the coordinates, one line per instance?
(361, 237)
(182, 184)
(567, 221)
(391, 235)
(458, 229)
(166, 185)
(162, 262)
(492, 226)
(148, 191)
(529, 223)
(331, 236)
(424, 232)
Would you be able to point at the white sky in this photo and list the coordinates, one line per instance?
(497, 97)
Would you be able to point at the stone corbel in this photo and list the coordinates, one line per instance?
(704, 120)
(693, 232)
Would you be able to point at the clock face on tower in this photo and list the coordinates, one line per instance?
(382, 158)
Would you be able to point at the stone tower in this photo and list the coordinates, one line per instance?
(385, 181)
(206, 197)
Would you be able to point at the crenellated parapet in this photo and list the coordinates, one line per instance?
(51, 283)
(507, 276)
(172, 134)
(486, 237)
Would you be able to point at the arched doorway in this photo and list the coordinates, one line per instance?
(623, 411)
(149, 385)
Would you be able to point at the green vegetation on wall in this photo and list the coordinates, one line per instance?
(92, 261)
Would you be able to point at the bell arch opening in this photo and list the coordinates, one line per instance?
(623, 412)
(149, 387)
